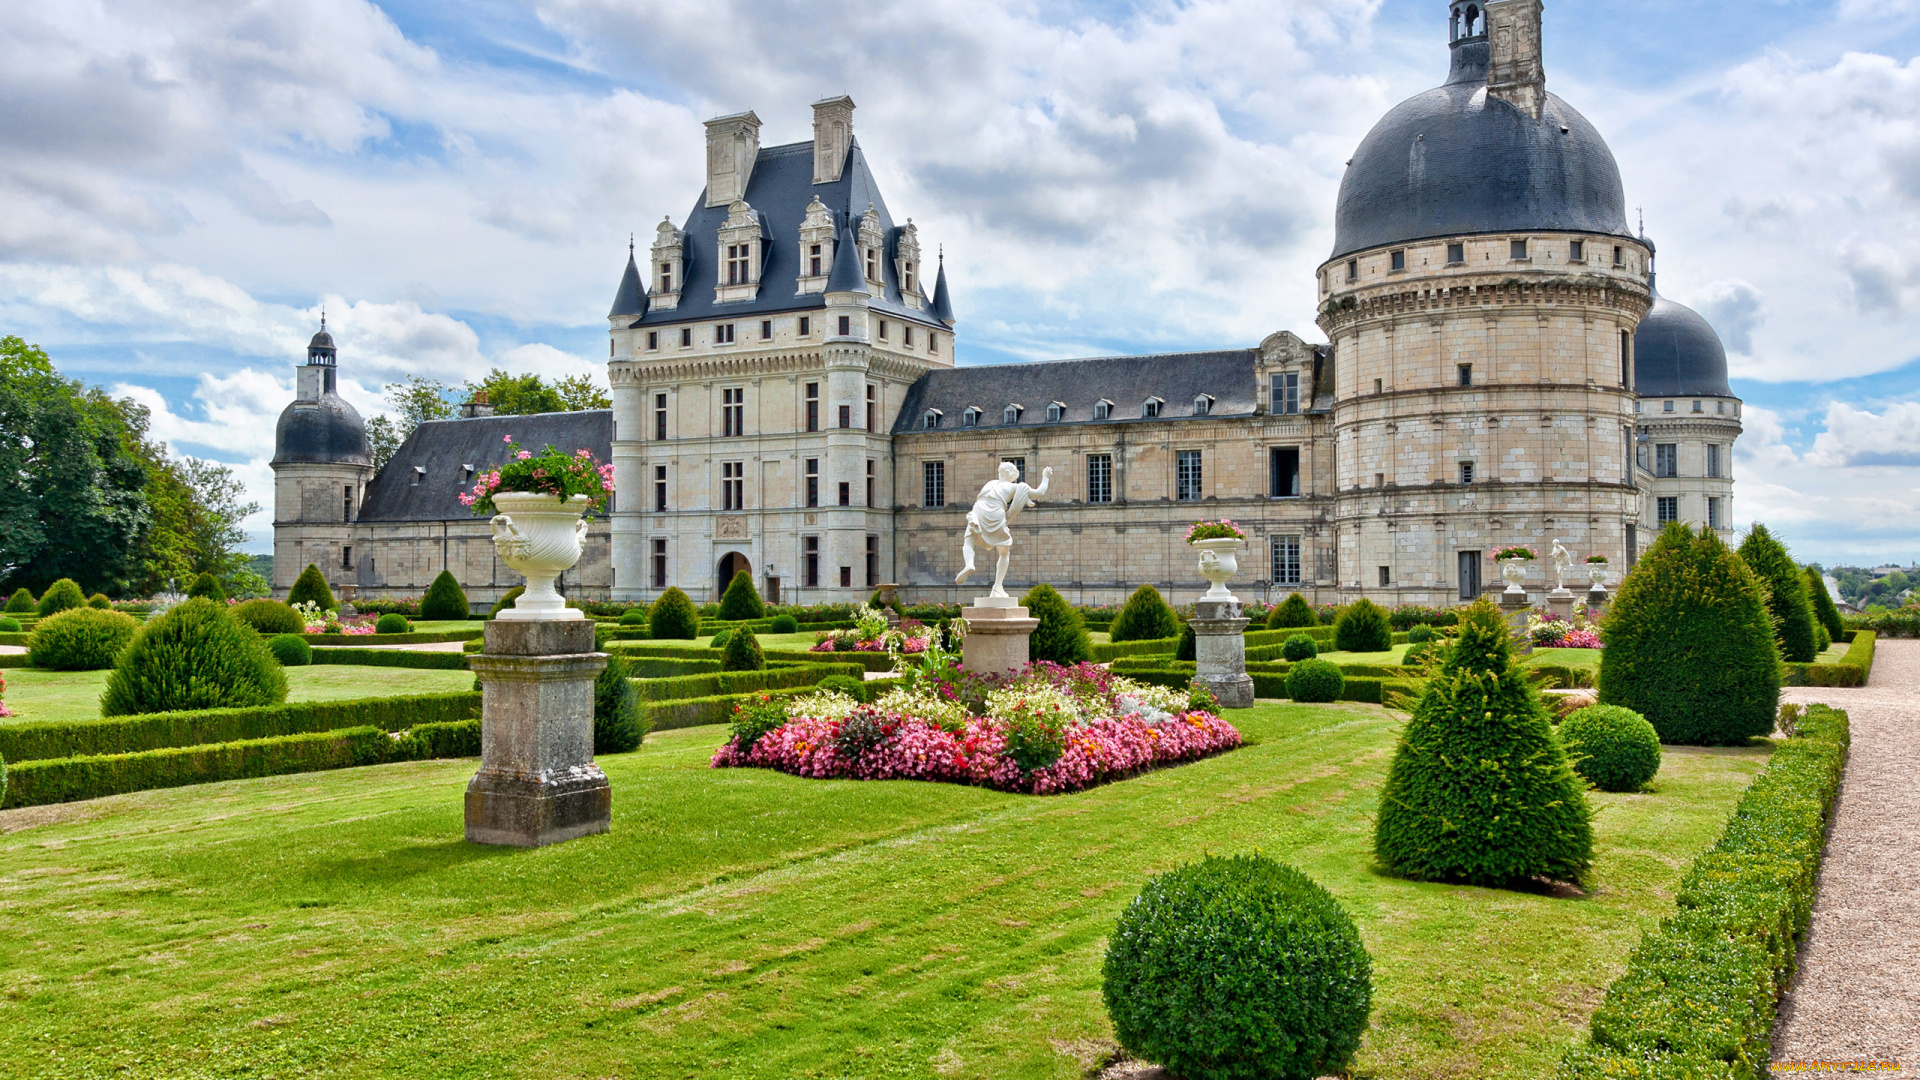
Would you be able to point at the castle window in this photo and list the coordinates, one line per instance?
(846, 326)
(1055, 411)
(1286, 560)
(810, 559)
(347, 497)
(1666, 406)
(1399, 260)
(1286, 393)
(1099, 478)
(419, 474)
(1517, 250)
(686, 337)
(659, 563)
(723, 334)
(1466, 374)
(813, 406)
(930, 419)
(737, 263)
(1102, 409)
(666, 277)
(1713, 513)
(970, 418)
(846, 577)
(806, 326)
(1011, 414)
(1377, 386)
(846, 493)
(660, 489)
(1202, 405)
(846, 417)
(733, 485)
(883, 329)
(1720, 407)
(1577, 251)
(1698, 407)
(813, 260)
(733, 411)
(1151, 407)
(1626, 362)
(870, 479)
(1666, 509)
(873, 407)
(1666, 460)
(933, 484)
(1619, 255)
(1187, 476)
(1283, 472)
(1353, 269)
(346, 556)
(1386, 576)
(873, 265)
(873, 560)
(659, 417)
(653, 340)
(1466, 472)
(933, 344)
(906, 336)
(1456, 254)
(1713, 461)
(1020, 467)
(813, 481)
(766, 329)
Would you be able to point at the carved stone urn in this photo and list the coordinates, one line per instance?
(539, 535)
(1598, 573)
(1515, 573)
(1219, 561)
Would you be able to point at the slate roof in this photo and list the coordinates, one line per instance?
(631, 299)
(1677, 354)
(1127, 381)
(1456, 162)
(780, 189)
(444, 447)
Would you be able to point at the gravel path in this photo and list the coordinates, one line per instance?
(1857, 993)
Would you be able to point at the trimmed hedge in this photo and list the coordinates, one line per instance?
(270, 617)
(1824, 610)
(696, 712)
(152, 731)
(290, 650)
(195, 656)
(21, 600)
(392, 624)
(673, 617)
(1294, 611)
(401, 658)
(1061, 636)
(1315, 681)
(81, 639)
(1363, 627)
(1854, 669)
(660, 667)
(60, 596)
(742, 601)
(1699, 995)
(312, 586)
(418, 637)
(1612, 748)
(866, 661)
(1786, 594)
(740, 682)
(1103, 651)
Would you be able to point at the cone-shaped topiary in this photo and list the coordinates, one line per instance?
(1615, 749)
(673, 618)
(1061, 636)
(1238, 968)
(1146, 617)
(1786, 594)
(1363, 627)
(1189, 646)
(1315, 681)
(311, 587)
(619, 724)
(81, 639)
(21, 600)
(270, 617)
(1690, 645)
(1291, 613)
(208, 586)
(1299, 647)
(195, 656)
(719, 640)
(99, 602)
(291, 650)
(445, 599)
(742, 652)
(1824, 611)
(1480, 791)
(506, 601)
(392, 623)
(741, 600)
(60, 596)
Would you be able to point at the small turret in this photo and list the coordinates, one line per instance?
(942, 303)
(847, 276)
(630, 302)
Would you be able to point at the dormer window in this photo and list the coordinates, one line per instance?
(1102, 409)
(1055, 411)
(814, 257)
(970, 418)
(816, 246)
(1011, 414)
(419, 474)
(930, 419)
(740, 253)
(873, 265)
(1151, 408)
(669, 262)
(872, 241)
(737, 263)
(666, 277)
(1202, 405)
(906, 263)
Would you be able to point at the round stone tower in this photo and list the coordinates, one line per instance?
(1688, 419)
(321, 466)
(1481, 301)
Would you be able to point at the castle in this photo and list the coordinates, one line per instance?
(1499, 370)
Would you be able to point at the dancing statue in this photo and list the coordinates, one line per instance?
(999, 502)
(1562, 562)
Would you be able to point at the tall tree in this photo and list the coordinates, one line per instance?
(523, 395)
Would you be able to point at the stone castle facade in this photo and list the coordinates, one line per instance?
(1499, 370)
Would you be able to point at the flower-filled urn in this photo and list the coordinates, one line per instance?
(1513, 567)
(1219, 545)
(540, 504)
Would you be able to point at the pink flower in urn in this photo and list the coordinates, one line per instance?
(524, 455)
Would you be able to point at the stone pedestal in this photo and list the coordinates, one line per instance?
(1597, 597)
(537, 782)
(997, 633)
(1220, 652)
(1514, 607)
(1560, 604)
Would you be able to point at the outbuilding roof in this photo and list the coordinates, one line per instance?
(1129, 382)
(430, 470)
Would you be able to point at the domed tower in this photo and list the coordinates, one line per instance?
(320, 467)
(1688, 418)
(1481, 301)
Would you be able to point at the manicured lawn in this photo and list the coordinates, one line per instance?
(35, 695)
(1834, 653)
(802, 640)
(745, 923)
(1391, 656)
(1576, 658)
(425, 626)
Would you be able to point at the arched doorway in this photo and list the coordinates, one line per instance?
(730, 564)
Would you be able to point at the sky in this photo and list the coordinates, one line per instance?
(185, 185)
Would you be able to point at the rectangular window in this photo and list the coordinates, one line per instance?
(1667, 509)
(1466, 472)
(686, 337)
(723, 334)
(1099, 478)
(1386, 576)
(933, 343)
(1577, 251)
(1633, 544)
(813, 406)
(1666, 406)
(659, 417)
(870, 479)
(1286, 560)
(1151, 409)
(766, 329)
(873, 407)
(1666, 460)
(659, 489)
(346, 500)
(1626, 363)
(846, 493)
(846, 577)
(1187, 479)
(873, 561)
(659, 564)
(1713, 461)
(806, 326)
(1619, 255)
(873, 264)
(1469, 575)
(1698, 407)
(810, 560)
(1456, 254)
(1516, 249)
(1466, 374)
(813, 264)
(846, 326)
(906, 336)
(1286, 394)
(813, 481)
(733, 411)
(933, 483)
(737, 261)
(1378, 386)
(666, 277)
(1019, 463)
(1713, 513)
(653, 340)
(1399, 260)
(883, 329)
(1283, 472)
(346, 556)
(846, 416)
(1353, 269)
(733, 485)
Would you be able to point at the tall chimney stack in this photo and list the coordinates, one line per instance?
(832, 136)
(733, 144)
(1516, 73)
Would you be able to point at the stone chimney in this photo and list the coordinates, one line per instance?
(1516, 73)
(476, 408)
(733, 144)
(832, 135)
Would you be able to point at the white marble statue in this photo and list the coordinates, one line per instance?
(1562, 562)
(999, 502)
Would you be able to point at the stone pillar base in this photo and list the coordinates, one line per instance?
(1597, 597)
(537, 782)
(1560, 604)
(997, 633)
(1514, 607)
(1220, 652)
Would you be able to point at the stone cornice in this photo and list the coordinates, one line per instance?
(1492, 294)
(710, 367)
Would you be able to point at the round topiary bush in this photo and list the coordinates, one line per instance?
(270, 617)
(784, 624)
(1421, 632)
(291, 650)
(99, 602)
(1479, 790)
(1291, 613)
(445, 599)
(845, 684)
(1061, 636)
(634, 616)
(1299, 647)
(1145, 617)
(207, 586)
(1315, 681)
(392, 623)
(673, 618)
(20, 601)
(619, 723)
(311, 587)
(1690, 644)
(194, 656)
(506, 601)
(1786, 594)
(1615, 749)
(1236, 969)
(720, 640)
(1362, 627)
(741, 601)
(60, 596)
(9, 625)
(81, 639)
(742, 652)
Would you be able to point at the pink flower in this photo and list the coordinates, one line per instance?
(506, 438)
(524, 455)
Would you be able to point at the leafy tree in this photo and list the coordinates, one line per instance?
(741, 600)
(383, 438)
(1363, 628)
(197, 508)
(1061, 636)
(444, 599)
(1479, 790)
(1786, 587)
(523, 395)
(1824, 610)
(312, 587)
(1293, 612)
(1690, 645)
(1145, 617)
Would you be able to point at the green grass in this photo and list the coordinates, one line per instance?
(435, 626)
(1391, 656)
(1834, 654)
(35, 695)
(744, 923)
(1575, 658)
(802, 640)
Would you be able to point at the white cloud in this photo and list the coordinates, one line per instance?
(1736, 309)
(1762, 441)
(1854, 437)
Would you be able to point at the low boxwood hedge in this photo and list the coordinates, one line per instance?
(740, 682)
(660, 667)
(1699, 994)
(718, 709)
(1854, 668)
(422, 637)
(401, 658)
(867, 661)
(1104, 651)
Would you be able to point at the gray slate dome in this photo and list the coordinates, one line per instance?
(1456, 162)
(328, 431)
(321, 340)
(1677, 354)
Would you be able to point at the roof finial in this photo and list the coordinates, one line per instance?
(629, 245)
(323, 318)
(1642, 211)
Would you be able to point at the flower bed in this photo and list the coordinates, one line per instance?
(870, 634)
(1549, 631)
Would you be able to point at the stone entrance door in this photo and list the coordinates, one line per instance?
(730, 564)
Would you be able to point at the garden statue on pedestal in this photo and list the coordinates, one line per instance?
(1560, 600)
(1219, 622)
(997, 627)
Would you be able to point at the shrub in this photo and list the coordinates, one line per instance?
(445, 599)
(60, 596)
(195, 656)
(1188, 648)
(634, 616)
(1291, 613)
(1417, 654)
(1479, 790)
(1824, 611)
(393, 623)
(291, 650)
(1821, 640)
(719, 640)
(742, 652)
(9, 625)
(741, 600)
(99, 602)
(81, 639)
(1362, 628)
(1615, 749)
(673, 618)
(1315, 680)
(1299, 647)
(311, 587)
(208, 586)
(1421, 632)
(1786, 593)
(1690, 645)
(21, 600)
(1061, 636)
(1238, 968)
(506, 601)
(1412, 615)
(619, 724)
(1146, 617)
(846, 684)
(784, 624)
(270, 617)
